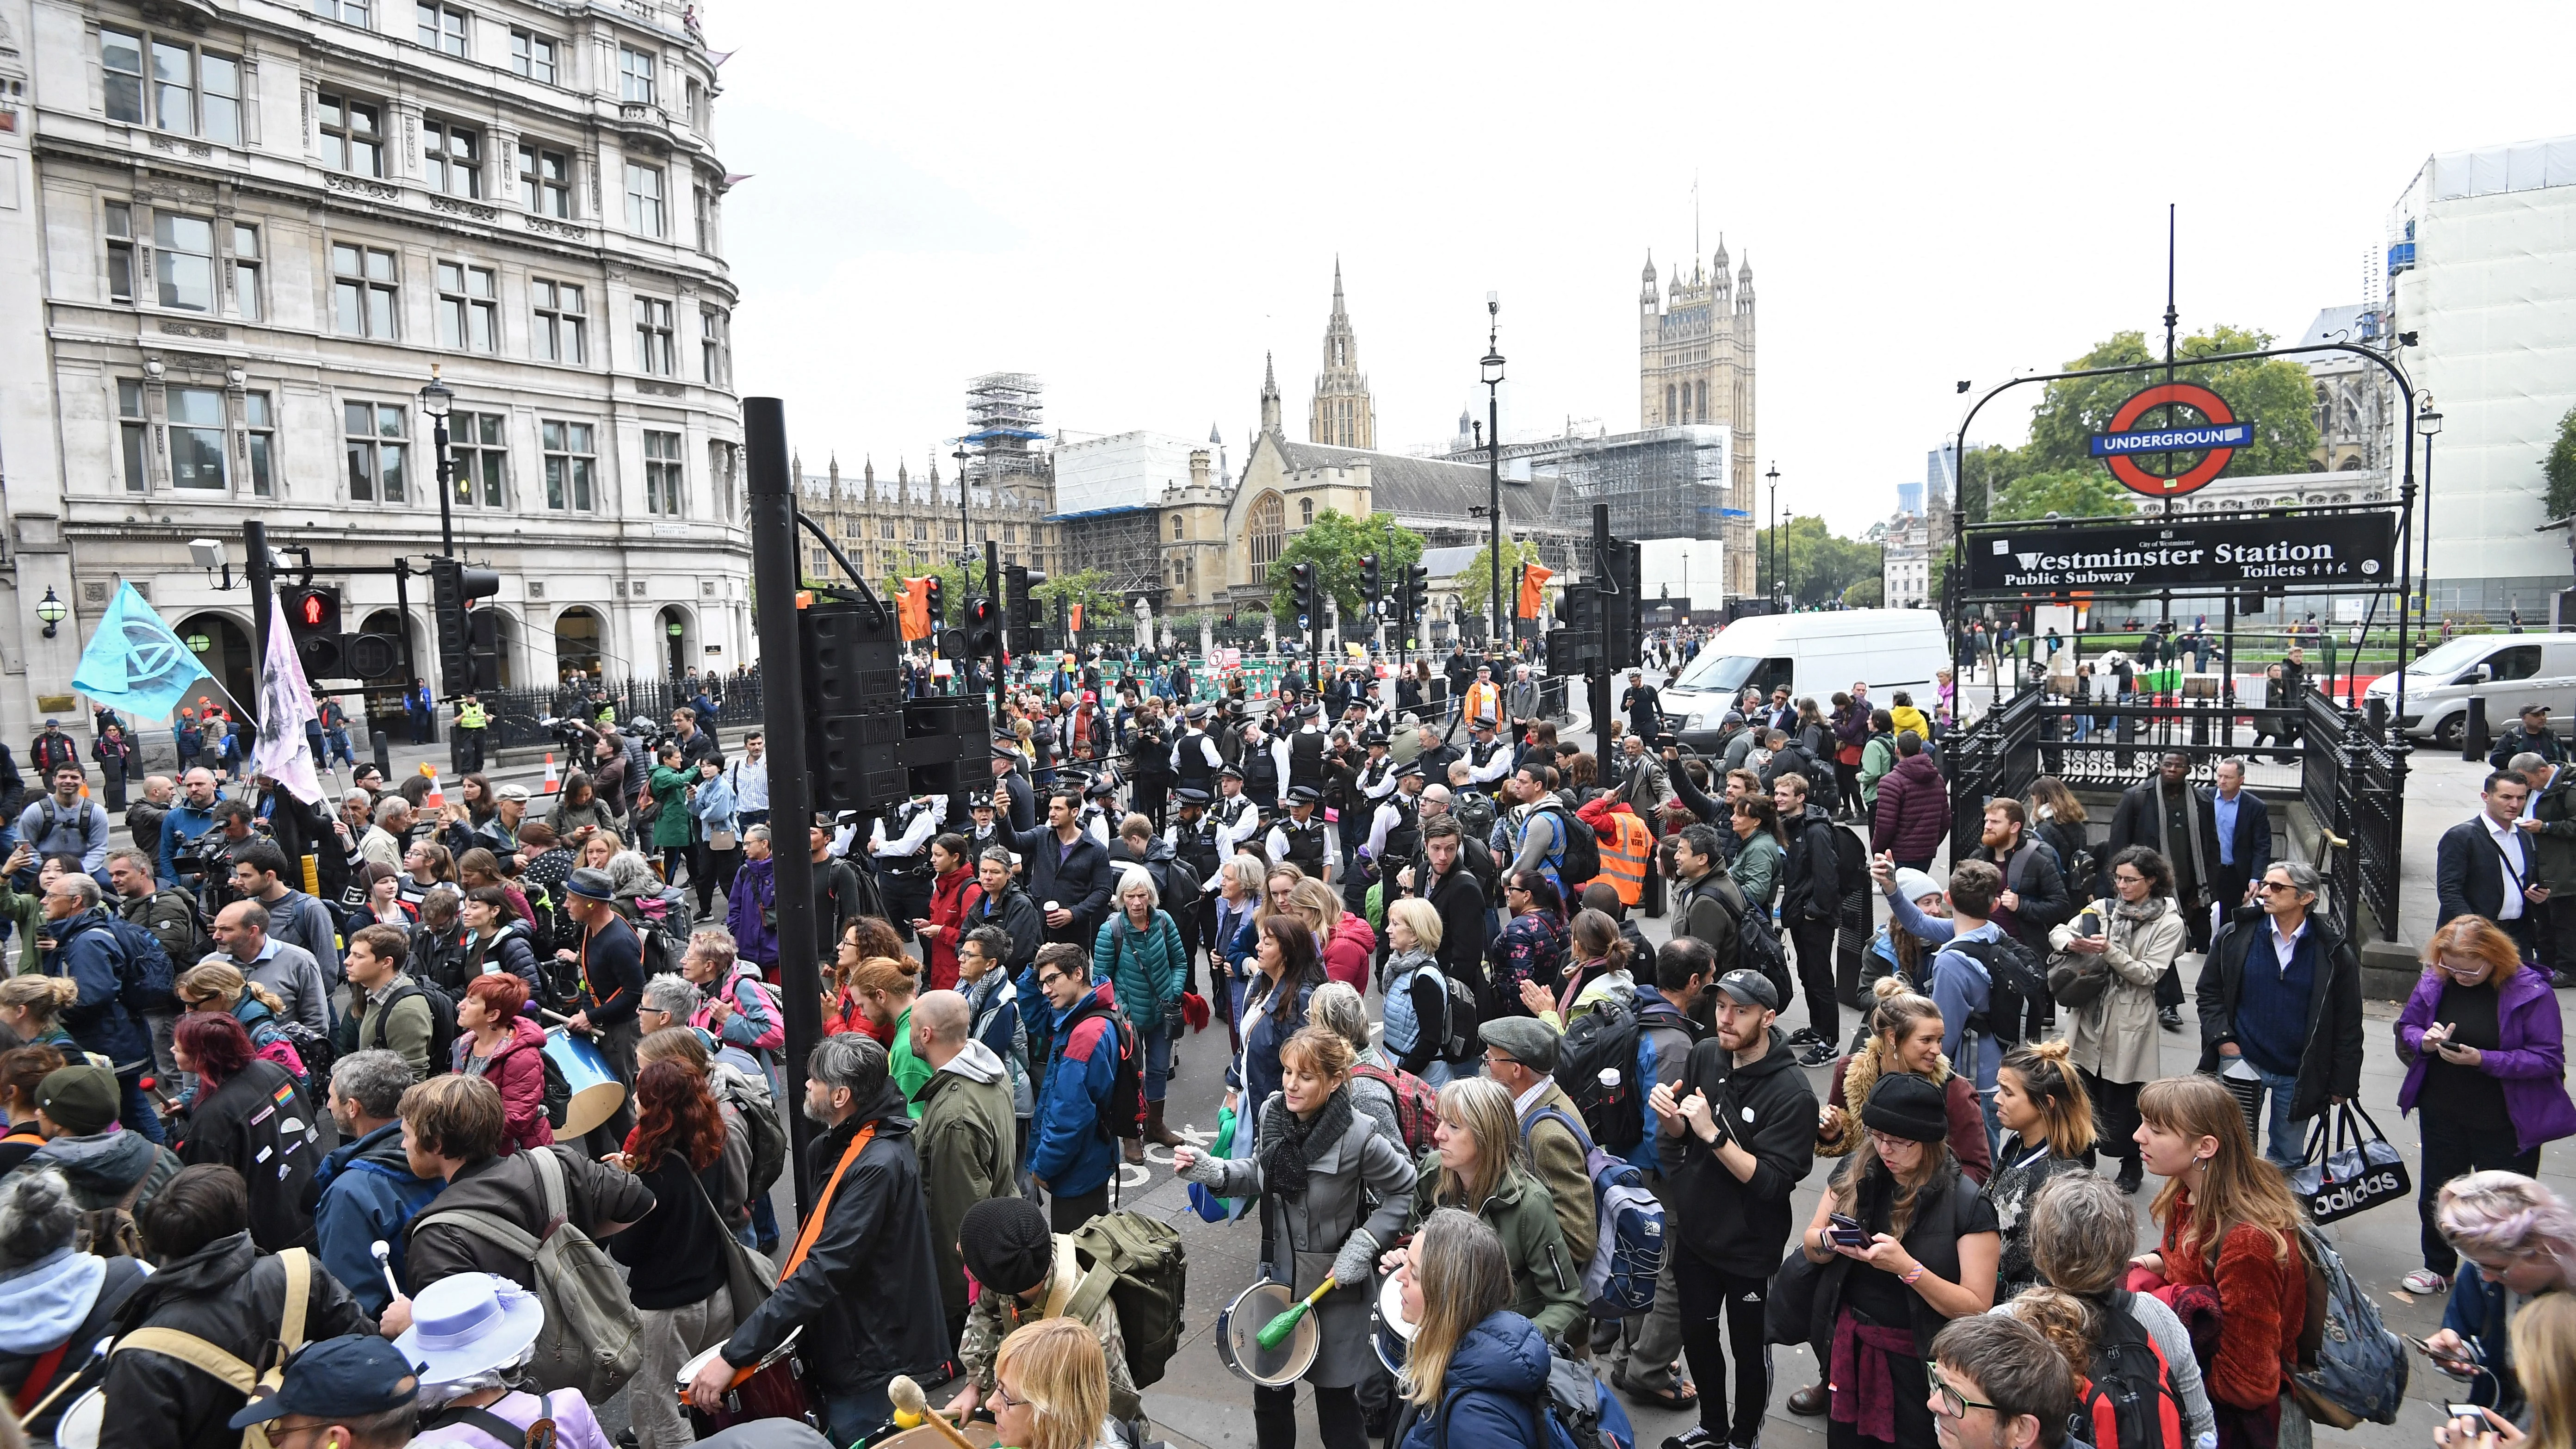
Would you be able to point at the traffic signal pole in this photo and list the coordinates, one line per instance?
(791, 793)
(1599, 679)
(257, 570)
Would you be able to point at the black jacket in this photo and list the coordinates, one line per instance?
(1707, 910)
(595, 1195)
(1742, 1227)
(2331, 1064)
(1014, 912)
(2134, 823)
(1809, 888)
(231, 1295)
(2512, 742)
(243, 1125)
(1079, 882)
(2047, 901)
(1459, 900)
(867, 1292)
(2253, 844)
(2467, 877)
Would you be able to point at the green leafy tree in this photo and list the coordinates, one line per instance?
(2066, 492)
(954, 586)
(1335, 543)
(2560, 469)
(1817, 565)
(1089, 588)
(1863, 595)
(1475, 581)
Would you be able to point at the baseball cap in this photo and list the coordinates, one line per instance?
(338, 1378)
(1752, 988)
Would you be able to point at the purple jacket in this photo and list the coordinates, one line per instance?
(1851, 725)
(2531, 1063)
(749, 909)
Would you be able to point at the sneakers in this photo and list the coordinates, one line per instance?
(1803, 1036)
(2424, 1283)
(1695, 1438)
(1817, 1055)
(2170, 1018)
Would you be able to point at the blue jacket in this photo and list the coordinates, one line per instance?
(2477, 1312)
(86, 951)
(1069, 1142)
(184, 823)
(1494, 1392)
(363, 1191)
(1258, 1076)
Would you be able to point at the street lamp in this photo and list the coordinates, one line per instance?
(1493, 365)
(2427, 423)
(965, 526)
(51, 610)
(435, 402)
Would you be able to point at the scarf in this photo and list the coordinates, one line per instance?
(2140, 913)
(1284, 1139)
(2164, 831)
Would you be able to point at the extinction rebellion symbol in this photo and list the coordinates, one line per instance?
(2219, 432)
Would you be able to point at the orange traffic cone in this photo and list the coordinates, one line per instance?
(554, 780)
(436, 799)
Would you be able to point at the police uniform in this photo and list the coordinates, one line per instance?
(1488, 761)
(1237, 820)
(902, 859)
(1195, 758)
(1194, 846)
(470, 722)
(1265, 771)
(983, 834)
(1307, 843)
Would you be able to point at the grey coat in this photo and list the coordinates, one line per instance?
(2114, 1035)
(1301, 1236)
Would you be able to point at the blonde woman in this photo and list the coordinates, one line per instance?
(1416, 1024)
(1051, 1388)
(218, 987)
(1238, 887)
(2544, 1341)
(1476, 1165)
(32, 1006)
(1477, 1372)
(1343, 939)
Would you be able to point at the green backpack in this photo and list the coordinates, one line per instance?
(1139, 1264)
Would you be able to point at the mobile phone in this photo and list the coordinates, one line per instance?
(1846, 1231)
(2476, 1412)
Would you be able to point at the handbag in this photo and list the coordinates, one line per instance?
(724, 840)
(749, 1277)
(2076, 979)
(1789, 1309)
(2360, 1170)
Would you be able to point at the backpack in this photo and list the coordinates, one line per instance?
(110, 1232)
(145, 979)
(1460, 1042)
(200, 944)
(590, 1338)
(1124, 1115)
(2350, 1366)
(1628, 1225)
(661, 953)
(314, 1048)
(1139, 1264)
(1417, 1103)
(1758, 948)
(218, 1362)
(768, 1139)
(1580, 859)
(442, 1023)
(558, 1093)
(1851, 861)
(1578, 1413)
(1596, 1065)
(2010, 966)
(2126, 1397)
(1475, 812)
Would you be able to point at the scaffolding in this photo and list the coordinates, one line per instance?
(1004, 431)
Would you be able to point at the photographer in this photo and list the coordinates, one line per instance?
(205, 863)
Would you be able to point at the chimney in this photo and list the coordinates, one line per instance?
(1199, 468)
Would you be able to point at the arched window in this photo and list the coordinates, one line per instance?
(1305, 512)
(1669, 410)
(1176, 528)
(1703, 400)
(1264, 532)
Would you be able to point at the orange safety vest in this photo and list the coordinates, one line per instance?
(1624, 853)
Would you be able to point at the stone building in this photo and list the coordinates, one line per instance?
(1695, 357)
(240, 239)
(884, 526)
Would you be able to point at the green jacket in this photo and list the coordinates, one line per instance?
(1556, 1159)
(408, 1032)
(1757, 869)
(1547, 1284)
(966, 1141)
(2555, 851)
(1148, 967)
(1877, 757)
(672, 823)
(27, 913)
(910, 1072)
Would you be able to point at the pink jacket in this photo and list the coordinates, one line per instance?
(1346, 955)
(518, 1069)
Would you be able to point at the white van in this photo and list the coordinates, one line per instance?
(1813, 655)
(2507, 670)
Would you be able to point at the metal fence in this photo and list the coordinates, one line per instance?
(2354, 782)
(518, 715)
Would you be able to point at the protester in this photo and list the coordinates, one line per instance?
(2281, 990)
(495, 1042)
(365, 1191)
(1416, 1007)
(1073, 1147)
(2048, 1133)
(249, 1116)
(1740, 1118)
(675, 1255)
(2522, 1238)
(1997, 1373)
(2135, 937)
(392, 1009)
(107, 1166)
(1004, 1240)
(953, 897)
(22, 1071)
(1318, 1166)
(735, 1005)
(87, 953)
(1274, 1010)
(1531, 948)
(609, 966)
(2079, 1231)
(1051, 1389)
(1475, 1166)
(496, 940)
(2486, 1065)
(1905, 1035)
(1476, 1372)
(293, 974)
(1759, 856)
(2219, 1195)
(1596, 972)
(1962, 982)
(472, 1340)
(1344, 1012)
(1521, 1054)
(1138, 951)
(32, 1007)
(352, 1392)
(861, 1273)
(54, 1301)
(967, 1138)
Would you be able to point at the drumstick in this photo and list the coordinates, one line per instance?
(385, 1260)
(1276, 1331)
(910, 1403)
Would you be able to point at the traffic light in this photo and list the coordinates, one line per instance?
(1417, 592)
(1574, 646)
(1623, 607)
(370, 657)
(1309, 603)
(1372, 583)
(453, 588)
(938, 614)
(983, 627)
(313, 623)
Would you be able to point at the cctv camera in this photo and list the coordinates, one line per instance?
(206, 552)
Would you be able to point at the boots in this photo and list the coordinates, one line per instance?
(1156, 1132)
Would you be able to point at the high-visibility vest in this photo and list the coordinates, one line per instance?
(471, 717)
(1625, 849)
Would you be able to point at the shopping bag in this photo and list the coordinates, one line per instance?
(1203, 1199)
(2359, 1171)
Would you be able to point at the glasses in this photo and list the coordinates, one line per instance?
(1497, 1059)
(1886, 1144)
(1954, 1405)
(2130, 877)
(2268, 886)
(1003, 1398)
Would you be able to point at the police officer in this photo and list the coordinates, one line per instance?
(1306, 750)
(1236, 818)
(1099, 813)
(1149, 752)
(902, 860)
(1304, 838)
(1489, 757)
(1195, 758)
(470, 724)
(1193, 838)
(984, 829)
(1265, 767)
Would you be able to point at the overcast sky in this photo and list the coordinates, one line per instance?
(1137, 202)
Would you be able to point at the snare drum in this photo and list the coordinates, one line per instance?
(773, 1388)
(596, 1092)
(1239, 1348)
(1389, 1334)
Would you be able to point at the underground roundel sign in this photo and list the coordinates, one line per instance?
(2218, 433)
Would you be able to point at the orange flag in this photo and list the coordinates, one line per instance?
(1073, 619)
(1533, 579)
(912, 610)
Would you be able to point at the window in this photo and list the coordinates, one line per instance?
(952, 533)
(246, 262)
(132, 432)
(120, 252)
(697, 105)
(560, 323)
(644, 200)
(347, 12)
(1007, 531)
(545, 181)
(362, 291)
(374, 440)
(662, 473)
(442, 27)
(468, 308)
(635, 75)
(704, 208)
(455, 158)
(259, 443)
(715, 346)
(352, 139)
(533, 55)
(197, 438)
(885, 528)
(920, 531)
(653, 352)
(120, 56)
(1305, 512)
(476, 448)
(568, 463)
(195, 93)
(185, 261)
(1265, 531)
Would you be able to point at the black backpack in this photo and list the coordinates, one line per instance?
(1460, 1043)
(768, 1140)
(1124, 1116)
(1603, 1043)
(558, 1093)
(2010, 966)
(1582, 858)
(2126, 1399)
(1851, 860)
(145, 979)
(1757, 946)
(442, 1022)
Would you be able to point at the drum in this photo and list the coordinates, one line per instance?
(773, 1388)
(596, 1092)
(1240, 1350)
(1389, 1334)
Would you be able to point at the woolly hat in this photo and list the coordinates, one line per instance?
(1908, 1106)
(1006, 1244)
(1914, 885)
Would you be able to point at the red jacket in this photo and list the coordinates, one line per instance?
(952, 897)
(1913, 810)
(2262, 1304)
(519, 1070)
(1346, 955)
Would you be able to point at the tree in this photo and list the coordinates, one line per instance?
(1818, 566)
(2066, 492)
(2560, 469)
(954, 584)
(1475, 581)
(1090, 589)
(1335, 542)
(1863, 595)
